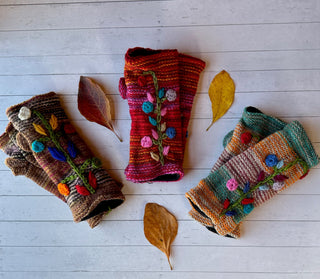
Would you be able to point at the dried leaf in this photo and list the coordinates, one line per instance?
(93, 104)
(39, 129)
(160, 227)
(221, 93)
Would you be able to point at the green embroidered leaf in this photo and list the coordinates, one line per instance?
(221, 93)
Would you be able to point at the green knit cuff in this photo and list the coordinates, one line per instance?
(298, 140)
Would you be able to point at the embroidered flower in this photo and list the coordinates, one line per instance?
(24, 113)
(247, 208)
(146, 142)
(246, 137)
(271, 160)
(277, 186)
(142, 81)
(171, 95)
(147, 107)
(37, 146)
(161, 93)
(171, 132)
(232, 184)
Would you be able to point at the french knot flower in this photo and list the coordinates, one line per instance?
(24, 113)
(277, 186)
(171, 132)
(232, 184)
(147, 107)
(246, 137)
(37, 146)
(271, 160)
(171, 95)
(146, 142)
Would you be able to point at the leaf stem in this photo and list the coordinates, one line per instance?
(158, 111)
(260, 183)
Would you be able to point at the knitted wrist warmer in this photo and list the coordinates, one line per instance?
(151, 84)
(22, 162)
(61, 153)
(247, 180)
(253, 126)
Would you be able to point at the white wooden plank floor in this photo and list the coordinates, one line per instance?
(272, 51)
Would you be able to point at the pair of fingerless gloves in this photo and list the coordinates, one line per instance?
(159, 86)
(263, 156)
(45, 147)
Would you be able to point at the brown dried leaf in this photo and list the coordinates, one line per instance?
(160, 227)
(94, 104)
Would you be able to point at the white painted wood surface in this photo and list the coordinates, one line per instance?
(272, 51)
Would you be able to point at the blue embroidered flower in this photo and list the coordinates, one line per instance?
(147, 107)
(171, 132)
(247, 208)
(271, 160)
(161, 93)
(37, 146)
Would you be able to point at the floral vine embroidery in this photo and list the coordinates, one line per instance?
(275, 180)
(160, 130)
(52, 134)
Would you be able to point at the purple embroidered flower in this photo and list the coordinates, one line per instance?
(147, 107)
(232, 184)
(171, 132)
(37, 146)
(271, 160)
(277, 186)
(146, 142)
(171, 95)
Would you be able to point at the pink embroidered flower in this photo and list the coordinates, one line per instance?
(146, 142)
(232, 184)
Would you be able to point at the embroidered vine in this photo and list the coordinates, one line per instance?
(275, 180)
(161, 132)
(50, 133)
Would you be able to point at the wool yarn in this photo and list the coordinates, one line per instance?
(275, 162)
(160, 86)
(87, 188)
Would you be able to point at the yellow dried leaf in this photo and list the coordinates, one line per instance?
(221, 93)
(160, 227)
(39, 129)
(53, 122)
